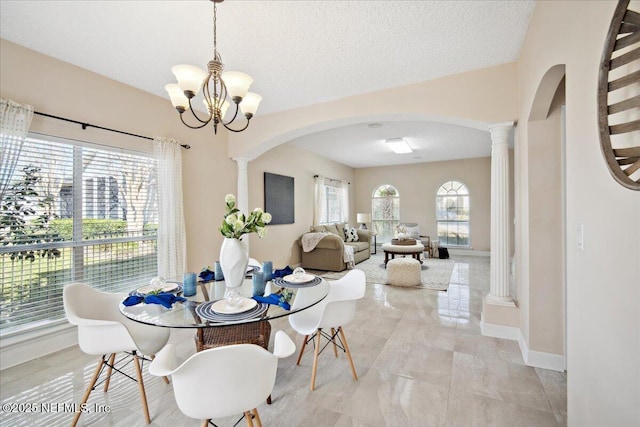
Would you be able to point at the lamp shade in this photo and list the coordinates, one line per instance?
(177, 96)
(190, 77)
(363, 217)
(249, 104)
(237, 83)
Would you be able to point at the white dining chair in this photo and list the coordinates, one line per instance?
(223, 381)
(334, 312)
(105, 332)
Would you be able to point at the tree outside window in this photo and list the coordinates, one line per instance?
(452, 214)
(385, 212)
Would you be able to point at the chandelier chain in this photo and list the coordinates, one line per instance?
(215, 37)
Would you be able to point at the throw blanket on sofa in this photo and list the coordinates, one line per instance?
(310, 241)
(348, 257)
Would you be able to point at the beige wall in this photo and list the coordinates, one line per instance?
(280, 243)
(603, 319)
(417, 185)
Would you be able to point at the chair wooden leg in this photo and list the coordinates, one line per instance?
(205, 423)
(304, 344)
(315, 361)
(257, 417)
(346, 347)
(247, 416)
(335, 346)
(143, 395)
(112, 359)
(166, 379)
(96, 374)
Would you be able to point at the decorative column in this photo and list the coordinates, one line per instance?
(499, 285)
(242, 198)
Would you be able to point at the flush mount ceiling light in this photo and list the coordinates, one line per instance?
(216, 87)
(398, 146)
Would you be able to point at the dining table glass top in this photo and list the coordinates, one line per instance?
(187, 314)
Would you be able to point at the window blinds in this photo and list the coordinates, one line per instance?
(73, 212)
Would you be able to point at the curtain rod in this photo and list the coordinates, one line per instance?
(89, 125)
(331, 179)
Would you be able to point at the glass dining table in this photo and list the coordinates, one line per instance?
(211, 326)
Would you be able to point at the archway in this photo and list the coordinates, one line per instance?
(260, 147)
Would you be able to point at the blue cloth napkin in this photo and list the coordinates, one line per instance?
(164, 298)
(273, 299)
(284, 272)
(206, 275)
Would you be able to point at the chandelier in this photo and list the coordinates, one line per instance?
(216, 87)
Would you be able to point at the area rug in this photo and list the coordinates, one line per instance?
(435, 273)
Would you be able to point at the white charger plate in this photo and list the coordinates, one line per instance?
(223, 307)
(306, 278)
(169, 287)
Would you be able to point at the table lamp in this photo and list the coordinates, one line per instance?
(363, 218)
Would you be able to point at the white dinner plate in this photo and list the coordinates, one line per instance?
(306, 278)
(169, 287)
(223, 307)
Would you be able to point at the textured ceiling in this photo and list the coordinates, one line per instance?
(299, 52)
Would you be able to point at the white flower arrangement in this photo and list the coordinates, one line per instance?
(236, 225)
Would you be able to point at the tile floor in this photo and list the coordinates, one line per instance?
(419, 354)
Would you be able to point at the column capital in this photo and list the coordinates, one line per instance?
(242, 162)
(507, 124)
(500, 133)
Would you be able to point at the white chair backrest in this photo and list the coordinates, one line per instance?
(340, 308)
(223, 381)
(102, 329)
(304, 297)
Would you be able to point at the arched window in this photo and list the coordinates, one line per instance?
(385, 209)
(452, 214)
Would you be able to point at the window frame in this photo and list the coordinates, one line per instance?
(385, 228)
(461, 191)
(337, 187)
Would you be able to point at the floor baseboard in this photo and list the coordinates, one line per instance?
(536, 359)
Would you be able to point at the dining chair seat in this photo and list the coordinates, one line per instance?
(105, 332)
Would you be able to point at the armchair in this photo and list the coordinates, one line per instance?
(413, 232)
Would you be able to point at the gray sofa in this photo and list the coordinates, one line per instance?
(329, 252)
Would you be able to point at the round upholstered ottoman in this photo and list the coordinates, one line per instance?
(391, 250)
(403, 272)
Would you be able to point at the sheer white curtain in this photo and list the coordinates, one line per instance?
(172, 240)
(344, 202)
(15, 120)
(320, 202)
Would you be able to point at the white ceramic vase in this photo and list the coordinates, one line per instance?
(234, 259)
